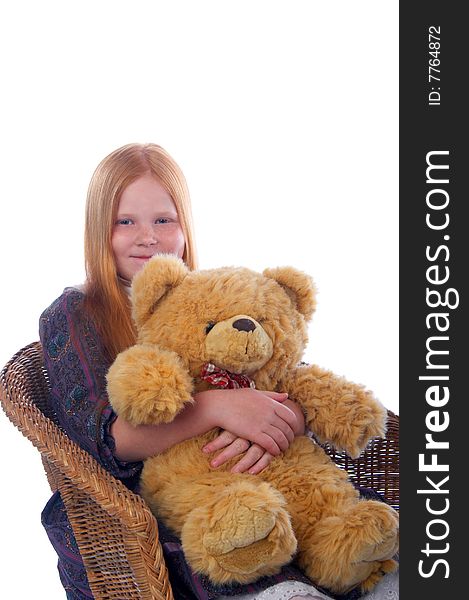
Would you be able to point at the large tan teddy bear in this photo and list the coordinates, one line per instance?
(238, 527)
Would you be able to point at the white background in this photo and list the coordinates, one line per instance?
(283, 117)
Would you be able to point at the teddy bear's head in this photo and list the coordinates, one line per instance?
(242, 321)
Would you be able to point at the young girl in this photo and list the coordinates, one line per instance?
(138, 205)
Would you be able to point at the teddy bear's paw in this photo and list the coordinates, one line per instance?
(147, 385)
(366, 575)
(380, 570)
(243, 535)
(375, 559)
(265, 557)
(241, 524)
(365, 419)
(349, 549)
(380, 536)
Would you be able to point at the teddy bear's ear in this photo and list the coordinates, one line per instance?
(298, 285)
(158, 276)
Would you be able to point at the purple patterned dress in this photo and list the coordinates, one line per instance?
(77, 365)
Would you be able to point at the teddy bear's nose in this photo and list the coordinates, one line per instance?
(244, 325)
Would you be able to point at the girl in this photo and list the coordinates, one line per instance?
(137, 206)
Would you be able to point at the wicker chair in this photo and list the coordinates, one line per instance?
(115, 530)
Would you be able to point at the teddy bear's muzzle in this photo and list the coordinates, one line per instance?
(239, 344)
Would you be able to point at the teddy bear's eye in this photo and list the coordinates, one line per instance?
(210, 326)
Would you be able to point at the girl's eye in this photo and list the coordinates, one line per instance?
(209, 327)
(123, 221)
(162, 221)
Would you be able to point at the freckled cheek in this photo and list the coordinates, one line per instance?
(175, 243)
(118, 243)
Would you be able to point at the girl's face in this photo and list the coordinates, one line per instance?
(147, 223)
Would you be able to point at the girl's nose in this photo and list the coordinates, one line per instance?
(147, 236)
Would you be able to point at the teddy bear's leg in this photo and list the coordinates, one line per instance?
(342, 540)
(240, 534)
(350, 546)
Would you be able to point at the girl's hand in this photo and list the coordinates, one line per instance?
(255, 415)
(254, 461)
(300, 428)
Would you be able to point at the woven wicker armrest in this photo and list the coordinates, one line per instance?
(115, 530)
(378, 466)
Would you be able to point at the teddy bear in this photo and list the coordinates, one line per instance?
(242, 328)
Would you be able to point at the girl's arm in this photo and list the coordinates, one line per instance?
(77, 364)
(261, 417)
(137, 442)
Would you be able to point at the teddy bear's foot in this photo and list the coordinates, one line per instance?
(242, 535)
(386, 566)
(353, 548)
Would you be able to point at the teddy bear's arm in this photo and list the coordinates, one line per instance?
(148, 385)
(337, 411)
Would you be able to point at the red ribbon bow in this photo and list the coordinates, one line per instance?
(224, 379)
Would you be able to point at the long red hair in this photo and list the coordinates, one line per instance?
(106, 297)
